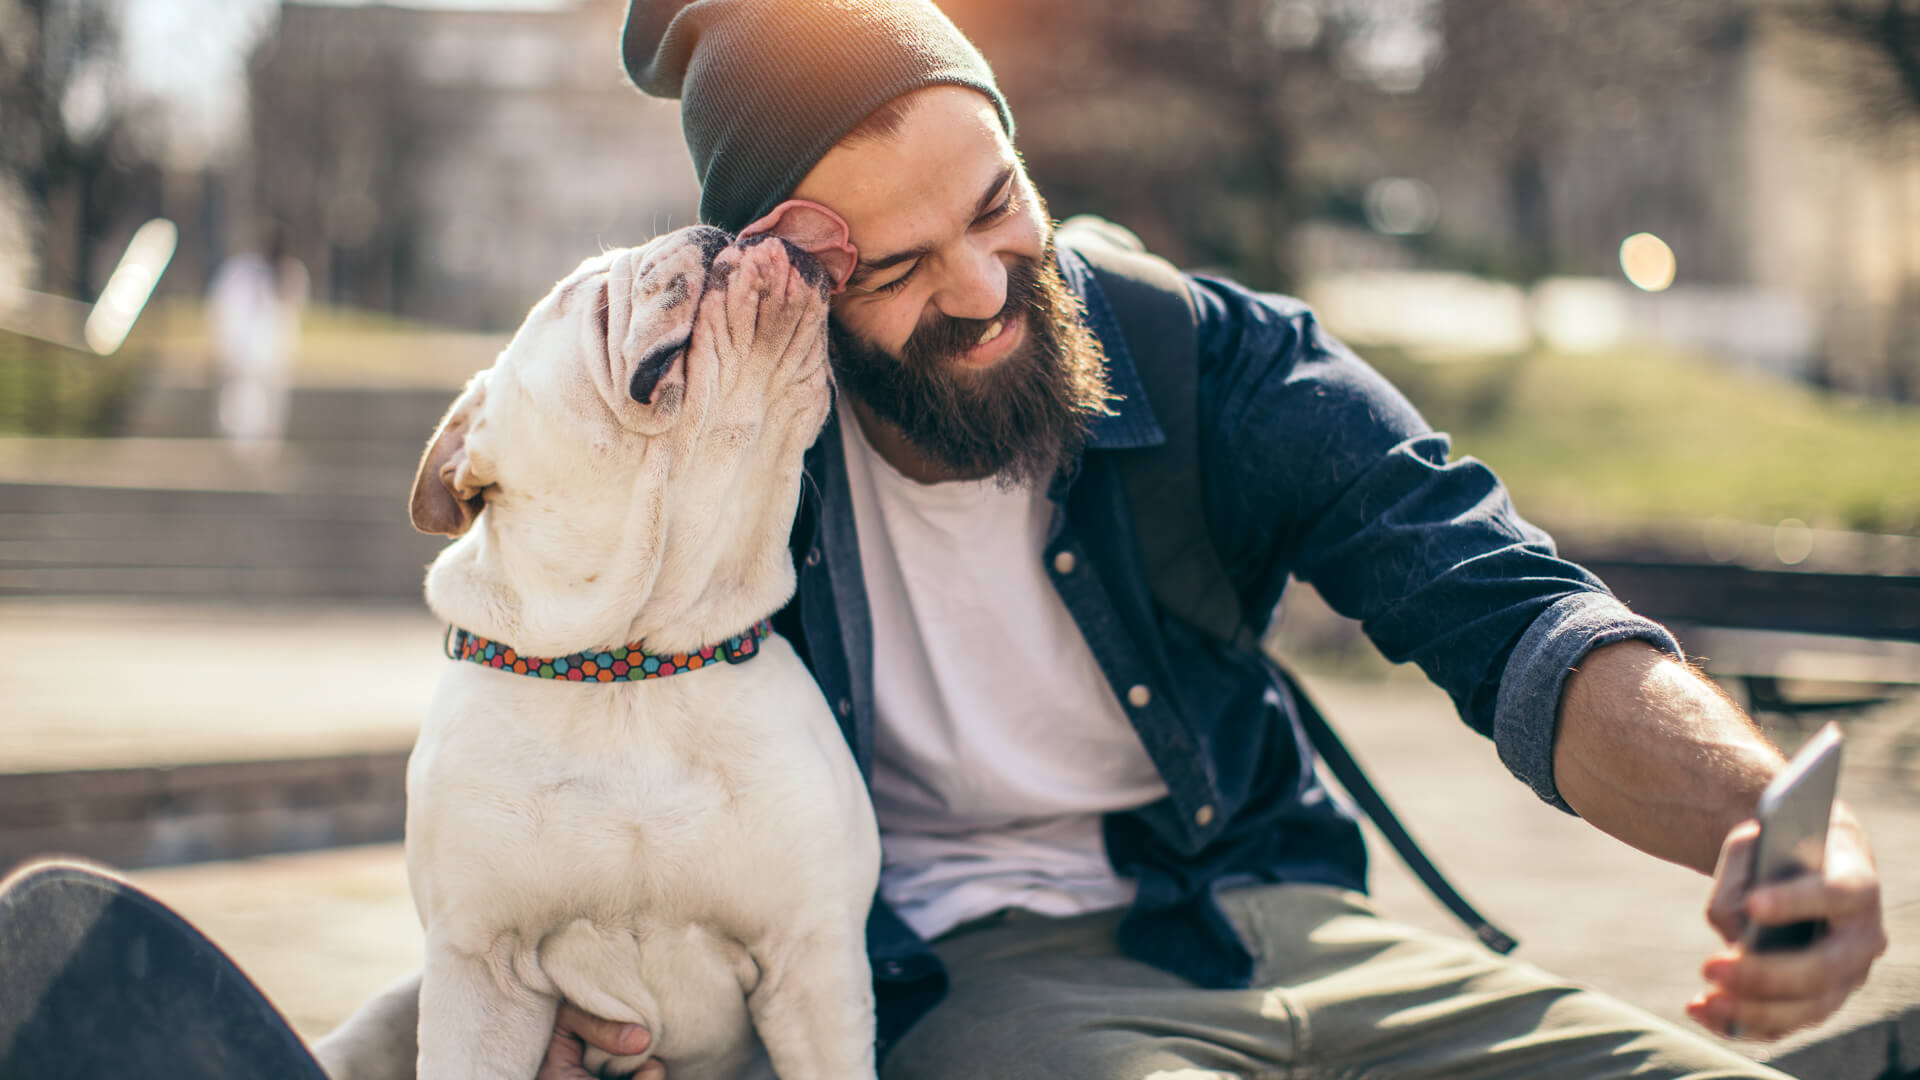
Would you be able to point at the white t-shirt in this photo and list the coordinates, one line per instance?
(999, 744)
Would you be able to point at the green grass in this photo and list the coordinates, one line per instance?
(1608, 441)
(337, 346)
(49, 390)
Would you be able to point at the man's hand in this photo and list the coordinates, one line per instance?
(1765, 995)
(574, 1031)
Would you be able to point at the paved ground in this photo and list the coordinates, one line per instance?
(97, 685)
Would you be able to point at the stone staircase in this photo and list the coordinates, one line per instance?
(169, 512)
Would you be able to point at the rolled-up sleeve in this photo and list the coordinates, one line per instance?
(1537, 670)
(1316, 467)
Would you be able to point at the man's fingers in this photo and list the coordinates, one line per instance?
(609, 1035)
(1839, 962)
(1811, 896)
(1763, 1020)
(1725, 911)
(1764, 995)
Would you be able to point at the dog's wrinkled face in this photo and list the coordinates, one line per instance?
(638, 444)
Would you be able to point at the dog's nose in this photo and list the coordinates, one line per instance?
(710, 241)
(652, 368)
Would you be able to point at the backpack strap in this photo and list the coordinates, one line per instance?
(1149, 299)
(1340, 762)
(1151, 302)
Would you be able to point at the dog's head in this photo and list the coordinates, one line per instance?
(633, 457)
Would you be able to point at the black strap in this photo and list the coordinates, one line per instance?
(1150, 301)
(1340, 762)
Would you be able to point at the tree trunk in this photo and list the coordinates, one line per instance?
(1531, 204)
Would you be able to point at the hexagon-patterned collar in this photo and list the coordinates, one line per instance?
(625, 663)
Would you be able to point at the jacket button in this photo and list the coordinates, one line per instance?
(1139, 696)
(845, 707)
(813, 557)
(1063, 563)
(1203, 816)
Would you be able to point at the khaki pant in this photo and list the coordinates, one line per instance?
(1340, 993)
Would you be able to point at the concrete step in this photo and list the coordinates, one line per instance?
(224, 584)
(249, 545)
(347, 536)
(321, 467)
(162, 816)
(314, 413)
(23, 501)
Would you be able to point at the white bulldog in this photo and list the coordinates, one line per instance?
(694, 853)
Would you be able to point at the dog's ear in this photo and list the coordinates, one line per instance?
(447, 494)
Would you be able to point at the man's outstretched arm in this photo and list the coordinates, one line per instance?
(1651, 752)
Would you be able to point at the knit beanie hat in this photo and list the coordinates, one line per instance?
(767, 87)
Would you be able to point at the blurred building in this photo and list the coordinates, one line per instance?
(1534, 140)
(1794, 221)
(451, 164)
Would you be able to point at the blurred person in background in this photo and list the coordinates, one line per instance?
(254, 306)
(1107, 853)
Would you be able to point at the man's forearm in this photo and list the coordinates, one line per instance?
(1653, 753)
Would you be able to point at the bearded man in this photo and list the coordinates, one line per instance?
(1106, 852)
(1107, 855)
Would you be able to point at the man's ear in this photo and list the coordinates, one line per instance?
(447, 495)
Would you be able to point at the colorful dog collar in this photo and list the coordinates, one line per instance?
(627, 663)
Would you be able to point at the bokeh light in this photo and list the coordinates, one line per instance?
(1401, 206)
(1647, 261)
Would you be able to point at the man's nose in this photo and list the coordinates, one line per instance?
(975, 286)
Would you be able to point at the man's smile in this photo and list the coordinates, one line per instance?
(1000, 337)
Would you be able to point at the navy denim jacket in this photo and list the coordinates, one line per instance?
(1315, 468)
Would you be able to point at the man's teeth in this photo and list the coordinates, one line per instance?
(992, 331)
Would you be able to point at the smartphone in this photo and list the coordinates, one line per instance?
(1793, 814)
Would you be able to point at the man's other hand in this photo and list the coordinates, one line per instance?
(574, 1031)
(1765, 995)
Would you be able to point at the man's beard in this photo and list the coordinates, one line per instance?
(1016, 421)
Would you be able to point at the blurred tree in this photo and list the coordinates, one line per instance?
(1522, 79)
(1869, 51)
(69, 138)
(339, 130)
(1885, 34)
(1182, 119)
(1213, 126)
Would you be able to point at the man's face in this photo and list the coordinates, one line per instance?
(955, 327)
